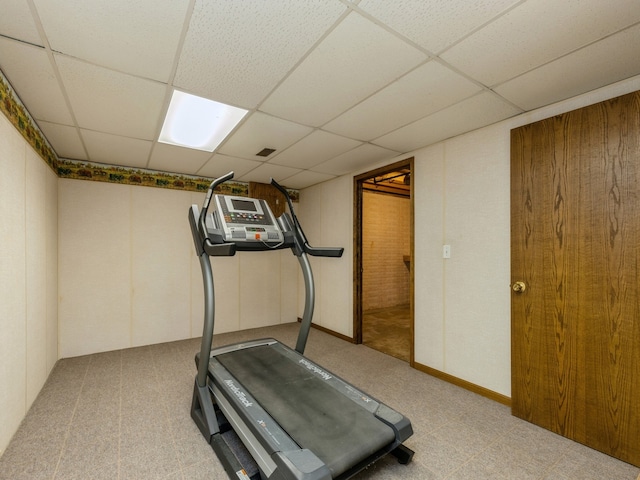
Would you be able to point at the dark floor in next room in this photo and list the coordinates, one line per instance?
(125, 415)
(388, 330)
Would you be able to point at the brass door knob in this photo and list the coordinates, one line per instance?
(519, 287)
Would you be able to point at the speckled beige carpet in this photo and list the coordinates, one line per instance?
(125, 415)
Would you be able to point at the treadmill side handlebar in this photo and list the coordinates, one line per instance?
(335, 252)
(219, 249)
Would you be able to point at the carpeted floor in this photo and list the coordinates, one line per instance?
(125, 415)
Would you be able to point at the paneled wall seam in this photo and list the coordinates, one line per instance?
(444, 263)
(131, 285)
(26, 283)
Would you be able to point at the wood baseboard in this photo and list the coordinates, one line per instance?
(472, 387)
(330, 332)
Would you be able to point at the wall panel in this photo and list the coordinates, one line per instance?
(161, 248)
(36, 273)
(94, 267)
(13, 345)
(28, 277)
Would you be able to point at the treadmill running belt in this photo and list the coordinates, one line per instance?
(314, 414)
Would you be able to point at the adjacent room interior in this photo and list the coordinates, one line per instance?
(385, 239)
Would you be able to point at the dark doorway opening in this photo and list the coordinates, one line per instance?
(383, 260)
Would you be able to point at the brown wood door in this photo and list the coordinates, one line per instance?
(575, 244)
(274, 198)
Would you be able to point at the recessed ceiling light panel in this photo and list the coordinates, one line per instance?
(197, 122)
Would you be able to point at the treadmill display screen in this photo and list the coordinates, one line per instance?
(246, 205)
(244, 220)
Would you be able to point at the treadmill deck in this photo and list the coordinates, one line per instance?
(314, 414)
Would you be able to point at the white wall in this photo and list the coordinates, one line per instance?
(28, 277)
(462, 312)
(326, 214)
(129, 275)
(462, 197)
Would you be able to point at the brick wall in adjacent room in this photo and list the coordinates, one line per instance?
(385, 241)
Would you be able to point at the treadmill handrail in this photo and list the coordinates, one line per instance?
(304, 243)
(207, 201)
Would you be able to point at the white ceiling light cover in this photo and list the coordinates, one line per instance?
(197, 122)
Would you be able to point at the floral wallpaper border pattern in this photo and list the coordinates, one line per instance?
(99, 172)
(18, 115)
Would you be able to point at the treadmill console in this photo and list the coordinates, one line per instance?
(244, 219)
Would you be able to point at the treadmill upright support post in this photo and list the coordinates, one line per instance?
(309, 295)
(209, 313)
(203, 413)
(202, 410)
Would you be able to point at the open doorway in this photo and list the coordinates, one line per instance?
(383, 260)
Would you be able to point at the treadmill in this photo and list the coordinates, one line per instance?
(268, 411)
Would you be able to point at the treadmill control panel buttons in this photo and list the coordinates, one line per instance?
(246, 219)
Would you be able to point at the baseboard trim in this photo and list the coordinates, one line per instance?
(472, 387)
(330, 332)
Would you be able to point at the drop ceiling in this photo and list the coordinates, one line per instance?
(332, 85)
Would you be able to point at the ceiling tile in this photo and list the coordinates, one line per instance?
(64, 139)
(320, 77)
(354, 160)
(314, 149)
(476, 112)
(305, 179)
(170, 158)
(486, 55)
(237, 52)
(610, 60)
(421, 92)
(352, 62)
(116, 150)
(263, 131)
(33, 78)
(16, 22)
(220, 165)
(264, 172)
(130, 36)
(435, 25)
(112, 102)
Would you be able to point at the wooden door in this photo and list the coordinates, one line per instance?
(274, 198)
(575, 244)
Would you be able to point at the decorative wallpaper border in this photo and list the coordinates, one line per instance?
(99, 172)
(19, 116)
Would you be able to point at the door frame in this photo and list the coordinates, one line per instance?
(358, 189)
